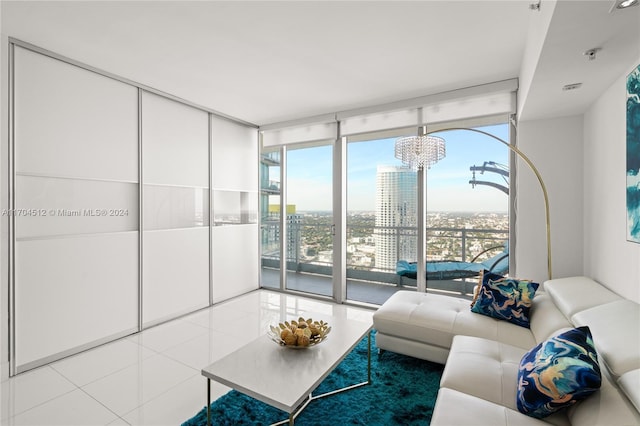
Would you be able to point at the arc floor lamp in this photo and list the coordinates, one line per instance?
(424, 150)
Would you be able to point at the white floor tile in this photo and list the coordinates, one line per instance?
(165, 336)
(131, 387)
(249, 303)
(358, 314)
(96, 363)
(205, 349)
(153, 377)
(176, 405)
(30, 389)
(73, 408)
(216, 317)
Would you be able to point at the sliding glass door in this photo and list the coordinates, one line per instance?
(270, 197)
(297, 195)
(309, 219)
(381, 220)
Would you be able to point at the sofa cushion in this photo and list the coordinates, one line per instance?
(488, 370)
(546, 318)
(435, 319)
(504, 298)
(630, 385)
(412, 348)
(457, 408)
(608, 406)
(575, 294)
(616, 331)
(557, 373)
(483, 368)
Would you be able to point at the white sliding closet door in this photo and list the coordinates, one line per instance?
(235, 209)
(76, 195)
(175, 249)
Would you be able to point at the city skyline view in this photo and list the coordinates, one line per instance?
(309, 174)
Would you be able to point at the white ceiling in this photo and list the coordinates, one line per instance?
(576, 27)
(267, 61)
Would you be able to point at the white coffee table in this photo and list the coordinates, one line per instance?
(285, 378)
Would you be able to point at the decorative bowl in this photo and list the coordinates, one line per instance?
(300, 334)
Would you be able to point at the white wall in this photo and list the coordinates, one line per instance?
(555, 148)
(608, 257)
(538, 26)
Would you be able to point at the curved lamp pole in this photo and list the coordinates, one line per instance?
(533, 169)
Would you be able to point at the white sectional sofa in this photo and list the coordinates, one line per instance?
(482, 354)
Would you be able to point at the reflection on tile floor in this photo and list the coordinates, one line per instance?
(357, 291)
(152, 377)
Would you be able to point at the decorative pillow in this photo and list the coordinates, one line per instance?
(557, 373)
(504, 298)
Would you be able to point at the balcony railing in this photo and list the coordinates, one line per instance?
(308, 254)
(270, 186)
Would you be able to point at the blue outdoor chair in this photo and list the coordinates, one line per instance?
(449, 270)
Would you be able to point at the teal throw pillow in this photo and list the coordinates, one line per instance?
(557, 373)
(504, 298)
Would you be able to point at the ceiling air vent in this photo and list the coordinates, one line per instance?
(573, 86)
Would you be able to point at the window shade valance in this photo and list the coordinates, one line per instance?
(300, 133)
(472, 103)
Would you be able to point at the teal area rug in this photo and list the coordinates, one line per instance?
(403, 392)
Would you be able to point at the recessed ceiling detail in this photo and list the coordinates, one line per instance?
(591, 53)
(623, 4)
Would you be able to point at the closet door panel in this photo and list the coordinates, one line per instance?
(54, 206)
(74, 291)
(235, 260)
(234, 156)
(171, 207)
(175, 245)
(175, 140)
(176, 273)
(72, 122)
(76, 197)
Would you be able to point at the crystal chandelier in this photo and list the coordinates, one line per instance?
(418, 152)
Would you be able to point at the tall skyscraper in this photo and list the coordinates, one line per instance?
(396, 208)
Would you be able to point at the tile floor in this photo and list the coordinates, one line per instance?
(152, 377)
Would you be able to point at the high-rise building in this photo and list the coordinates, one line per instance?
(396, 216)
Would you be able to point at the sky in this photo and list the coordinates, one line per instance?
(309, 173)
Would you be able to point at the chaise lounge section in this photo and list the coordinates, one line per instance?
(482, 355)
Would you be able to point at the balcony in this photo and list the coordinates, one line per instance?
(309, 266)
(270, 187)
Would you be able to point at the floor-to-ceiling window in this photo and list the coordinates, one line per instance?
(270, 197)
(381, 219)
(466, 227)
(306, 215)
(467, 220)
(310, 219)
(381, 224)
(468, 209)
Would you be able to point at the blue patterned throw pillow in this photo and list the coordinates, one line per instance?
(558, 373)
(504, 298)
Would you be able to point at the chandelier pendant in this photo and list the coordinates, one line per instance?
(418, 152)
